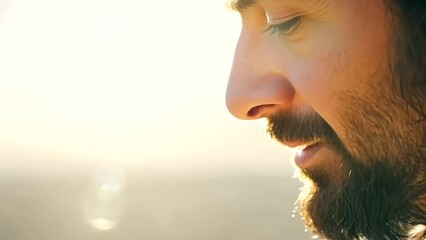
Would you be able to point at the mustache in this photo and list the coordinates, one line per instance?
(301, 126)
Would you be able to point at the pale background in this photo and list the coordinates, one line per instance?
(113, 126)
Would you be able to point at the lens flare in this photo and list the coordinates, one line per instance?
(104, 204)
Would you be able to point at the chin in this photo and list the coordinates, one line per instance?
(367, 202)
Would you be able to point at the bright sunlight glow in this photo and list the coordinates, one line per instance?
(119, 80)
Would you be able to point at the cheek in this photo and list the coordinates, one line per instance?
(320, 90)
(335, 60)
(321, 77)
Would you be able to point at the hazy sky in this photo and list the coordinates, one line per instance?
(124, 80)
(90, 86)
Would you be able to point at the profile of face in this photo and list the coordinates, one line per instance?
(344, 81)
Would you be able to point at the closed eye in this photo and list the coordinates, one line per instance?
(284, 28)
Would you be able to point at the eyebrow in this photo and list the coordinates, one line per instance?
(240, 5)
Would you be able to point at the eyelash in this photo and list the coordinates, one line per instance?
(284, 28)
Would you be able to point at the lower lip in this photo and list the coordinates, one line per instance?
(303, 157)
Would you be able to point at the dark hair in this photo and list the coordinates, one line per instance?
(408, 22)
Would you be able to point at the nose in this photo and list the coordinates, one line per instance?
(257, 85)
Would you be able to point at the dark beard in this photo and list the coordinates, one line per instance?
(383, 199)
(374, 202)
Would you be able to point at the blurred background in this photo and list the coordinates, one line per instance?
(113, 125)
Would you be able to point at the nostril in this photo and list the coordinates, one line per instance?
(253, 112)
(257, 112)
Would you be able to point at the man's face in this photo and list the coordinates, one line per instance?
(319, 71)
